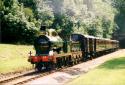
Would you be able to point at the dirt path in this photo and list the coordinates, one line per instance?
(59, 78)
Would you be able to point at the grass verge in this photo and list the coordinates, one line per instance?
(14, 58)
(111, 72)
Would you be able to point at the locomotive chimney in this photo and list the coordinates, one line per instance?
(43, 30)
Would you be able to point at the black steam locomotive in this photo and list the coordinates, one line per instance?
(52, 51)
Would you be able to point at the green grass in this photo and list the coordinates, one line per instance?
(110, 73)
(14, 57)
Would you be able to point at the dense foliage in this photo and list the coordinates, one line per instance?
(119, 19)
(18, 23)
(21, 19)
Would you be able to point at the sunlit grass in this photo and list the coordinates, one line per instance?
(14, 57)
(110, 73)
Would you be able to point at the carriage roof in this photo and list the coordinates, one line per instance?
(93, 37)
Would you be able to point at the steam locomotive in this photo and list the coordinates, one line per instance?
(52, 51)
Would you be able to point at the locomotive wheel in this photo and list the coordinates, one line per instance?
(66, 61)
(63, 61)
(48, 66)
(75, 61)
(70, 62)
(39, 67)
(94, 55)
(84, 57)
(79, 58)
(91, 56)
(53, 66)
(59, 61)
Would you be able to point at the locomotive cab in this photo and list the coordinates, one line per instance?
(56, 41)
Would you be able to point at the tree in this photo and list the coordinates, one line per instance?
(119, 18)
(63, 25)
(29, 3)
(15, 26)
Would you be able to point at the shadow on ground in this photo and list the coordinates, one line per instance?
(117, 63)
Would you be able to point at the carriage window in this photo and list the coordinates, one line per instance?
(75, 37)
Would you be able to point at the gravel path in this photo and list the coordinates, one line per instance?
(60, 78)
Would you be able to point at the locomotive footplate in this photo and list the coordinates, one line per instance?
(64, 54)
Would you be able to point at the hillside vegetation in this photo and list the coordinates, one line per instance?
(21, 19)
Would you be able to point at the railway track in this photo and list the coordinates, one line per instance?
(26, 77)
(22, 78)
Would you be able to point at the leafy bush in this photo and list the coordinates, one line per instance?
(16, 27)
